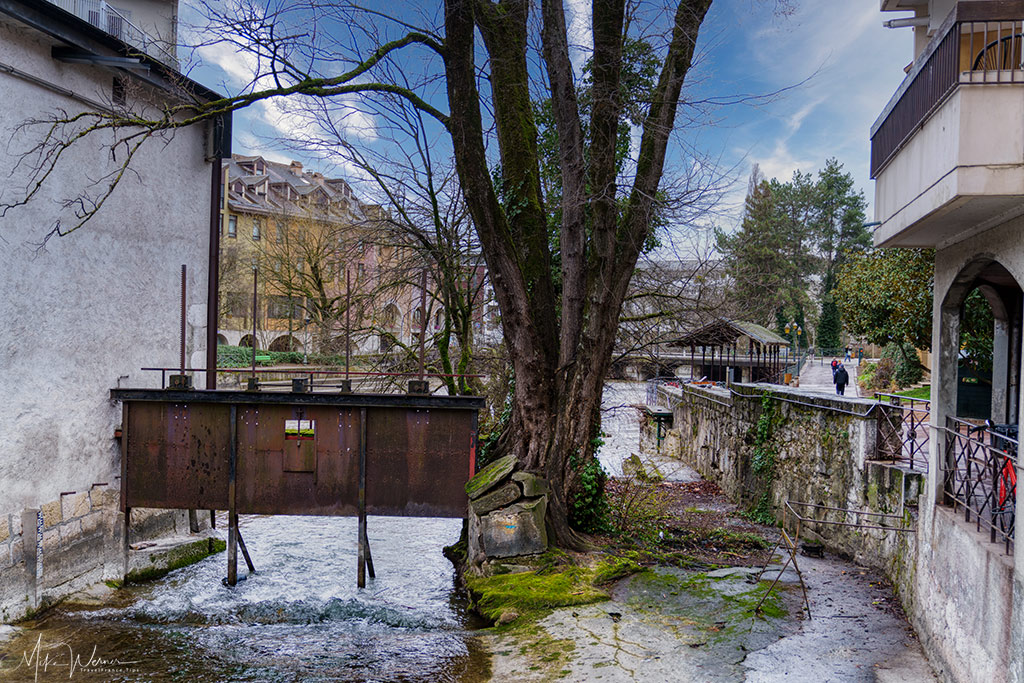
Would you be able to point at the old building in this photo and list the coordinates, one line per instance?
(85, 312)
(315, 246)
(325, 264)
(947, 155)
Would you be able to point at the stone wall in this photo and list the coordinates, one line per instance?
(766, 444)
(68, 544)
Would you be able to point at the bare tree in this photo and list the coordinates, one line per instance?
(471, 75)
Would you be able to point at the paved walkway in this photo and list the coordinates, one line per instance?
(817, 376)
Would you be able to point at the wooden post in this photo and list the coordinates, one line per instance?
(361, 568)
(232, 516)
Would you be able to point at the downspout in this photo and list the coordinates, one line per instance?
(221, 148)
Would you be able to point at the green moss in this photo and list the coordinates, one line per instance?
(532, 594)
(615, 569)
(179, 557)
(486, 478)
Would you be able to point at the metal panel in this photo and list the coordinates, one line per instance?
(417, 458)
(176, 456)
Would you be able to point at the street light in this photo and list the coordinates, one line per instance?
(798, 330)
(305, 347)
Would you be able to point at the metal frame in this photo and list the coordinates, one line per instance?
(195, 449)
(874, 520)
(980, 478)
(904, 434)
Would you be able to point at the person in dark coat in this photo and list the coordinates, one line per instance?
(841, 379)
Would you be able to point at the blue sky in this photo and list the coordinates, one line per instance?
(839, 64)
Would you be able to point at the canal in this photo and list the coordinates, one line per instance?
(300, 618)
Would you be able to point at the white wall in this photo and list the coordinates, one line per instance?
(88, 310)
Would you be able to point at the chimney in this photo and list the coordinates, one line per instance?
(297, 168)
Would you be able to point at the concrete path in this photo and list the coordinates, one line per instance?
(856, 633)
(672, 626)
(817, 376)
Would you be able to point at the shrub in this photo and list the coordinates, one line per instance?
(878, 376)
(588, 509)
(906, 367)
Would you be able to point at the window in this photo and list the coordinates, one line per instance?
(255, 228)
(232, 226)
(281, 307)
(117, 94)
(280, 232)
(237, 305)
(417, 316)
(360, 271)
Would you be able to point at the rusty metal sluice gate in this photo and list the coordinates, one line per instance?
(296, 454)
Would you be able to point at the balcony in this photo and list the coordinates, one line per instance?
(947, 152)
(117, 22)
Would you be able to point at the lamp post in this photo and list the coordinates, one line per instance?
(305, 347)
(798, 331)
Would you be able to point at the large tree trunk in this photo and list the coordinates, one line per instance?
(560, 359)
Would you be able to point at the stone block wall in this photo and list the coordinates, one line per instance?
(67, 544)
(767, 444)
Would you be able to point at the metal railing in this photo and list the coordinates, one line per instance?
(978, 43)
(118, 24)
(653, 398)
(980, 476)
(903, 434)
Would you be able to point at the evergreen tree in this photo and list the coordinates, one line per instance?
(829, 327)
(759, 257)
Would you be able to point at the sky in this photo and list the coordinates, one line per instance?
(818, 78)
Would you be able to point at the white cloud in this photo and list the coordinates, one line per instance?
(579, 26)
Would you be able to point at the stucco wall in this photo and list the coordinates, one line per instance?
(969, 587)
(83, 313)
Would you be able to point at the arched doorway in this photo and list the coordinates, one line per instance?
(980, 344)
(246, 341)
(976, 397)
(285, 343)
(222, 340)
(389, 328)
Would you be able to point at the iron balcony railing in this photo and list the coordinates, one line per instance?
(117, 23)
(980, 475)
(903, 435)
(980, 42)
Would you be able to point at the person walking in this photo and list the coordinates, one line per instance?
(841, 379)
(835, 364)
(846, 355)
(860, 356)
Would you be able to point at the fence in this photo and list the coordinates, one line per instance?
(981, 475)
(117, 22)
(903, 435)
(980, 42)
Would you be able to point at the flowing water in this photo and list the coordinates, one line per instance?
(620, 423)
(300, 617)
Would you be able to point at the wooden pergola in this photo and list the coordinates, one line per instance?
(734, 350)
